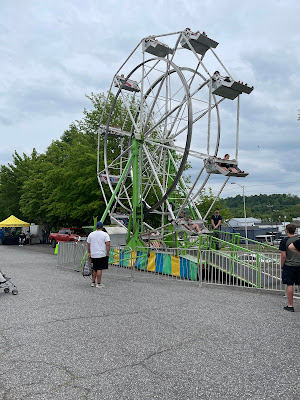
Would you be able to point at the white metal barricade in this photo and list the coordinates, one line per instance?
(231, 268)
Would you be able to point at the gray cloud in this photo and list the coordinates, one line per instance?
(55, 53)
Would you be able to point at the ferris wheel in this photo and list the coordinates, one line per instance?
(165, 112)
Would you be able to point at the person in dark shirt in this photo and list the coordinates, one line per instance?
(2, 233)
(216, 220)
(22, 238)
(290, 263)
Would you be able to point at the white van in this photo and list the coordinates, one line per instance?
(267, 239)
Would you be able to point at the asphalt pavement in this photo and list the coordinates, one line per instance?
(149, 338)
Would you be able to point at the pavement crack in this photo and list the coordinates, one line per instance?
(68, 319)
(143, 362)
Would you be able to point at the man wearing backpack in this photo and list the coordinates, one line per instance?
(98, 243)
(290, 264)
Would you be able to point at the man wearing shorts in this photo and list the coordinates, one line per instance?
(98, 243)
(216, 221)
(290, 264)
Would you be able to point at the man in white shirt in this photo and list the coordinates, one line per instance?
(98, 243)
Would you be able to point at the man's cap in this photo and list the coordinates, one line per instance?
(99, 225)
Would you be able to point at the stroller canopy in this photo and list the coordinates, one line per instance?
(13, 221)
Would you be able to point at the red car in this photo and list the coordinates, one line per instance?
(67, 235)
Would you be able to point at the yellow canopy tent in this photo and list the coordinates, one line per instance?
(13, 221)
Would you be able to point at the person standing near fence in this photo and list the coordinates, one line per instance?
(216, 221)
(98, 243)
(290, 264)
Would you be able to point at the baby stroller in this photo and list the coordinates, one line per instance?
(7, 285)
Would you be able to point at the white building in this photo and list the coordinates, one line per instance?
(240, 222)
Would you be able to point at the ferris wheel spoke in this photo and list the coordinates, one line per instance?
(156, 96)
(176, 117)
(187, 193)
(167, 114)
(124, 190)
(149, 184)
(163, 118)
(133, 121)
(153, 169)
(198, 118)
(150, 107)
(157, 161)
(179, 149)
(126, 151)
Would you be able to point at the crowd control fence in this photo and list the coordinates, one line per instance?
(239, 267)
(232, 268)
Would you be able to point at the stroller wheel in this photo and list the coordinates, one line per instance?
(14, 291)
(6, 290)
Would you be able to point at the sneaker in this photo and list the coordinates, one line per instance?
(100, 285)
(288, 308)
(93, 284)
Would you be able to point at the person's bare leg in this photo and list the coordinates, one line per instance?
(289, 294)
(188, 227)
(99, 276)
(93, 276)
(196, 226)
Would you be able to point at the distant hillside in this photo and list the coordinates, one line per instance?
(266, 207)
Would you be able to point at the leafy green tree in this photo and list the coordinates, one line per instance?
(205, 200)
(12, 179)
(62, 188)
(263, 206)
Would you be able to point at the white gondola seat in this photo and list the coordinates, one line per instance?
(130, 85)
(153, 46)
(121, 218)
(151, 236)
(228, 88)
(178, 226)
(213, 166)
(113, 131)
(114, 179)
(199, 41)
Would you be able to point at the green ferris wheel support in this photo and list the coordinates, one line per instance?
(137, 204)
(136, 220)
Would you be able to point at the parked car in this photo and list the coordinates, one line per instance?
(67, 235)
(267, 239)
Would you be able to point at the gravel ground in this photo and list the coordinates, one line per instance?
(147, 339)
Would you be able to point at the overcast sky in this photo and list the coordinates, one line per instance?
(54, 52)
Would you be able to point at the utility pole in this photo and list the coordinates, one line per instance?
(245, 218)
(277, 216)
(271, 217)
